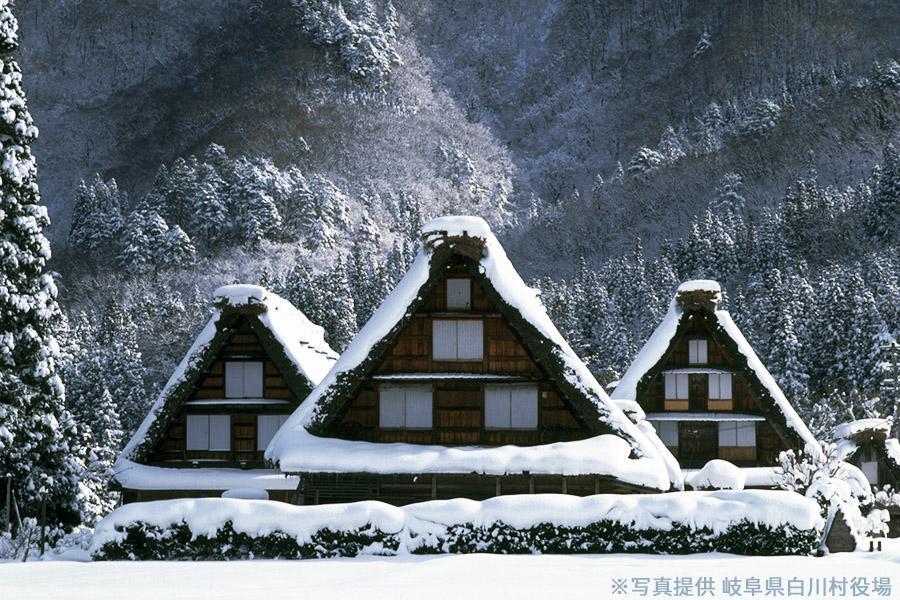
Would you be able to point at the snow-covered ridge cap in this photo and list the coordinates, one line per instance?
(241, 294)
(698, 293)
(457, 226)
(700, 285)
(853, 428)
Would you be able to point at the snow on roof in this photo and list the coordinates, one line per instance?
(134, 476)
(754, 477)
(604, 455)
(303, 343)
(292, 443)
(700, 285)
(848, 430)
(655, 348)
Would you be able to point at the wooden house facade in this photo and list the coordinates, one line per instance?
(704, 390)
(249, 369)
(460, 386)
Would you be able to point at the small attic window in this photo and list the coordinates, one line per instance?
(244, 379)
(459, 294)
(697, 352)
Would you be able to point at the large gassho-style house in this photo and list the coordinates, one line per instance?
(708, 395)
(460, 386)
(247, 371)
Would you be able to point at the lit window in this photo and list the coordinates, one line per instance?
(676, 386)
(737, 434)
(404, 407)
(511, 407)
(720, 386)
(243, 379)
(458, 340)
(667, 432)
(266, 428)
(208, 432)
(459, 294)
(697, 352)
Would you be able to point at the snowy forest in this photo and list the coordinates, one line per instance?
(617, 149)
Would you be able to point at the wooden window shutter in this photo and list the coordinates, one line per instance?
(524, 407)
(197, 432)
(459, 294)
(470, 335)
(220, 432)
(496, 407)
(443, 335)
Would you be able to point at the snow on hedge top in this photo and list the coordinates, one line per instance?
(848, 430)
(655, 348)
(716, 511)
(303, 342)
(292, 441)
(700, 285)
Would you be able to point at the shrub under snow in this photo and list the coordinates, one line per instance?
(754, 522)
(717, 475)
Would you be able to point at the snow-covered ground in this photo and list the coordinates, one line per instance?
(455, 576)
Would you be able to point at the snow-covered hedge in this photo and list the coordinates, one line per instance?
(749, 522)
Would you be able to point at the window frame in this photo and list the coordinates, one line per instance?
(406, 388)
(735, 430)
(695, 356)
(678, 379)
(718, 386)
(438, 323)
(509, 390)
(467, 295)
(243, 378)
(280, 419)
(660, 426)
(209, 419)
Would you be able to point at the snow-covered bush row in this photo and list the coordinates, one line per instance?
(751, 522)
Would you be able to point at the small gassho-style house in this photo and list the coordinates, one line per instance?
(249, 368)
(460, 386)
(868, 445)
(707, 394)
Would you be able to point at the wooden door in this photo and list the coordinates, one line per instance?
(698, 443)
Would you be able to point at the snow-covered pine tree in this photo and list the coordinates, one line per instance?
(883, 218)
(252, 202)
(728, 196)
(99, 414)
(96, 218)
(671, 145)
(179, 250)
(209, 222)
(144, 245)
(37, 434)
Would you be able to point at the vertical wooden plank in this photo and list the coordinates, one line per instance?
(565, 485)
(433, 487)
(497, 489)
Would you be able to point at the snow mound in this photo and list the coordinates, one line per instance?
(246, 494)
(717, 474)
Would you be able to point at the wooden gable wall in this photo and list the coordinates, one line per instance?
(458, 404)
(242, 344)
(699, 440)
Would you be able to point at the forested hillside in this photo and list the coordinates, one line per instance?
(617, 148)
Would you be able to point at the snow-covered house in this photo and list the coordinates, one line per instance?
(705, 391)
(460, 386)
(246, 372)
(867, 444)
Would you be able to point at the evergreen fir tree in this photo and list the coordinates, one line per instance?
(37, 434)
(96, 218)
(883, 219)
(145, 242)
(209, 221)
